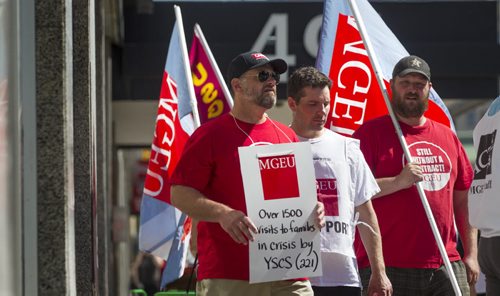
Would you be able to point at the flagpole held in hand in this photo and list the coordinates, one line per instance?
(421, 193)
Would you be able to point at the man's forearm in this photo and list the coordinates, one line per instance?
(387, 186)
(371, 237)
(197, 206)
(193, 203)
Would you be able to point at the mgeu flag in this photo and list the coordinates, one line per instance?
(355, 94)
(163, 230)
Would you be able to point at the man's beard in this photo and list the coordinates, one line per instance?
(263, 99)
(400, 106)
(266, 100)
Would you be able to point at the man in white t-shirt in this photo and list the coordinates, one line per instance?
(345, 185)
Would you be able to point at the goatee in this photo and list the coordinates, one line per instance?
(266, 101)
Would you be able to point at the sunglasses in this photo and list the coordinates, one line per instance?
(263, 76)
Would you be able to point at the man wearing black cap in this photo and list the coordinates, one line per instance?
(207, 182)
(412, 258)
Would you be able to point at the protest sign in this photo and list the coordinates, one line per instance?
(280, 194)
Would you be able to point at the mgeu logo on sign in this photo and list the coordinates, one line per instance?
(279, 177)
(484, 156)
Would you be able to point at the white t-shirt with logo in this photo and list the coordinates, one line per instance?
(344, 181)
(484, 197)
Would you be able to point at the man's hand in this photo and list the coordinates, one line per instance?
(320, 215)
(238, 226)
(379, 285)
(410, 174)
(472, 269)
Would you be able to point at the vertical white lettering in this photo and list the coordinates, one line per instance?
(351, 21)
(358, 65)
(160, 180)
(168, 120)
(349, 104)
(167, 137)
(155, 151)
(351, 47)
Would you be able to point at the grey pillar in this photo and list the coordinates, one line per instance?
(84, 157)
(54, 91)
(73, 148)
(91, 149)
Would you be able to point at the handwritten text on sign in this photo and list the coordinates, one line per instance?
(280, 193)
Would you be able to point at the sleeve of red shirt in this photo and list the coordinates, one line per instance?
(195, 165)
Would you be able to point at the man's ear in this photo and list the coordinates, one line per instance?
(292, 104)
(235, 84)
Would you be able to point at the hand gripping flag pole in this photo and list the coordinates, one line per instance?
(428, 211)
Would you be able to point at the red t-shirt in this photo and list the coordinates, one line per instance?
(407, 238)
(210, 164)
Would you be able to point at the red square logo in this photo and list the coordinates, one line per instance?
(327, 194)
(279, 177)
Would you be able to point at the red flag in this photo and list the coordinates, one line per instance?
(164, 230)
(162, 225)
(208, 89)
(355, 94)
(168, 143)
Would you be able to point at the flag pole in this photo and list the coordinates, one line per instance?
(187, 67)
(428, 211)
(211, 59)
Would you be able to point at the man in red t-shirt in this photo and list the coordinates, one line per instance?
(207, 182)
(412, 258)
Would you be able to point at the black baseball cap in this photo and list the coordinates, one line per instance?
(412, 64)
(250, 60)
